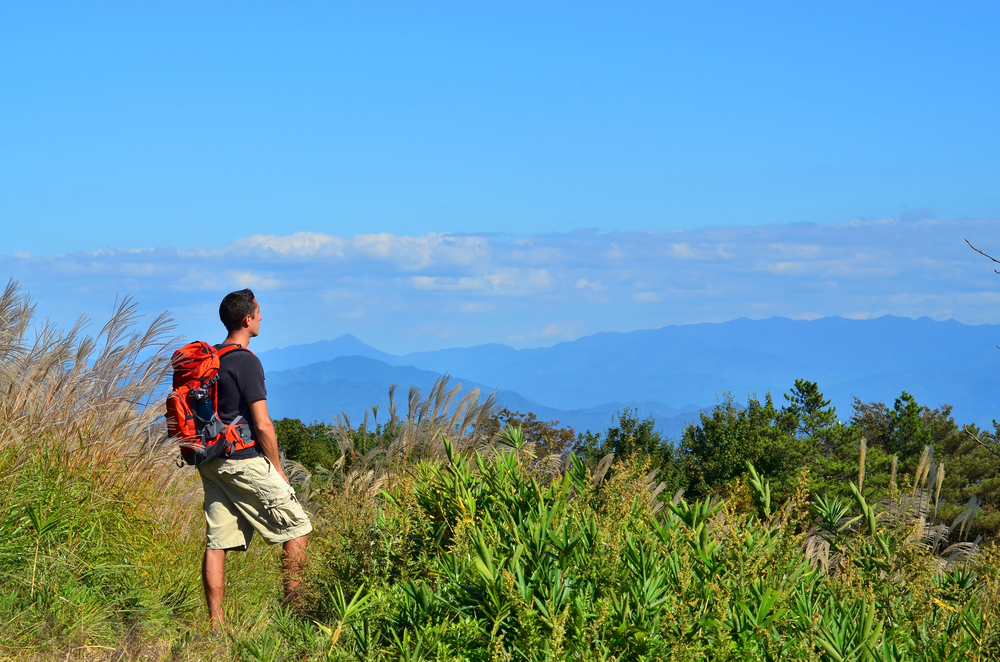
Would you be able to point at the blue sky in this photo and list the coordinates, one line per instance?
(184, 126)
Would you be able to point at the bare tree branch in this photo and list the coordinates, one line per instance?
(979, 441)
(984, 254)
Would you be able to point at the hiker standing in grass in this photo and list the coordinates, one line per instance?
(247, 490)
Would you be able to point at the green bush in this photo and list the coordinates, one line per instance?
(310, 445)
(478, 557)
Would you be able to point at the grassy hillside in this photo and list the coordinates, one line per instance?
(442, 536)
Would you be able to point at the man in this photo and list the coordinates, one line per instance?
(247, 491)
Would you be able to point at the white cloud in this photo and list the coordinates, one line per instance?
(584, 284)
(407, 288)
(796, 250)
(565, 330)
(614, 252)
(138, 269)
(253, 281)
(540, 278)
(447, 284)
(300, 244)
(682, 251)
(411, 253)
(704, 251)
(476, 307)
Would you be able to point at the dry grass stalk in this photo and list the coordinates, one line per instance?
(938, 480)
(892, 474)
(923, 468)
(84, 409)
(421, 434)
(601, 470)
(550, 466)
(63, 383)
(95, 398)
(817, 551)
(861, 464)
(428, 422)
(964, 519)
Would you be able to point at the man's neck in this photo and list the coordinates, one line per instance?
(239, 337)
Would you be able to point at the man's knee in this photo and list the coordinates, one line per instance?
(296, 543)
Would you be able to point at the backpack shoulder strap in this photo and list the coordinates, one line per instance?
(222, 350)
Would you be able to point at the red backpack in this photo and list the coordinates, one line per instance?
(193, 404)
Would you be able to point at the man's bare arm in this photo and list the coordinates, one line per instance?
(265, 435)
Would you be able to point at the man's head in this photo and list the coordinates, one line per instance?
(240, 310)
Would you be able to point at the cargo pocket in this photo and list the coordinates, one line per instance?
(279, 506)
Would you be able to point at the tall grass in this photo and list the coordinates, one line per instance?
(98, 526)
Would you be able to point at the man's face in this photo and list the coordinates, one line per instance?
(253, 321)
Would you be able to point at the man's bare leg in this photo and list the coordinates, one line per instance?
(213, 576)
(293, 557)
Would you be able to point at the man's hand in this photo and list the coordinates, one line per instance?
(265, 435)
(281, 471)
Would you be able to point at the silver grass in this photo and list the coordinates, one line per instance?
(938, 480)
(861, 464)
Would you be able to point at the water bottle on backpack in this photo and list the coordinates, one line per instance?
(201, 406)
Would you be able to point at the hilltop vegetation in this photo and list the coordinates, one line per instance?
(451, 531)
(804, 432)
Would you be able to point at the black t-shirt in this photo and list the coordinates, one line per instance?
(241, 382)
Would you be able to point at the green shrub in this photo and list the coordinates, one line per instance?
(494, 562)
(310, 445)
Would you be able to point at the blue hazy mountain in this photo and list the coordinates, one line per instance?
(352, 384)
(939, 362)
(872, 359)
(299, 355)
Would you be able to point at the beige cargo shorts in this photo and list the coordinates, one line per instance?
(243, 496)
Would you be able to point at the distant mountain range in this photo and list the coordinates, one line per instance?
(351, 384)
(671, 372)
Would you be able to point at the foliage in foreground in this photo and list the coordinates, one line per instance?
(478, 557)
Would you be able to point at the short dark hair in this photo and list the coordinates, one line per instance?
(235, 307)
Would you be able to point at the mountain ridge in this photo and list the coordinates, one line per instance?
(351, 385)
(876, 359)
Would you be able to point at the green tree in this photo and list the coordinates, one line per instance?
(908, 435)
(631, 435)
(547, 436)
(718, 447)
(309, 445)
(635, 436)
(811, 411)
(870, 421)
